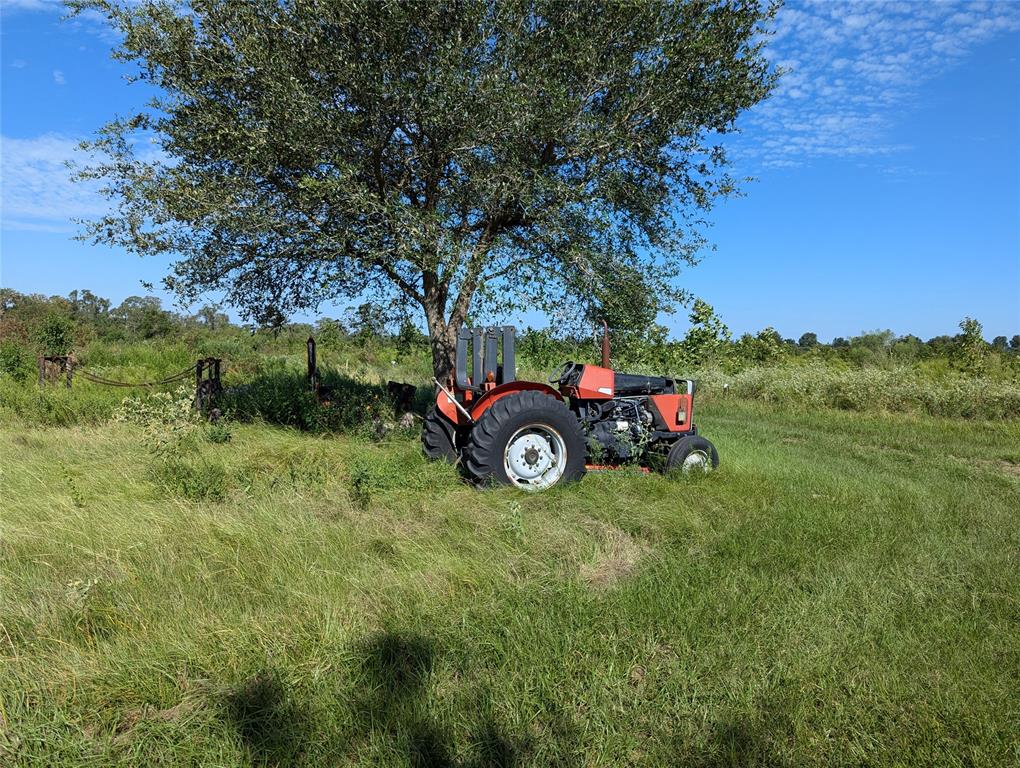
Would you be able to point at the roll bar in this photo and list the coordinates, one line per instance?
(485, 348)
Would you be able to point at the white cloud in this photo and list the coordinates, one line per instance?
(852, 66)
(31, 5)
(36, 191)
(19, 64)
(58, 77)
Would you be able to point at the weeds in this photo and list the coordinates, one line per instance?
(840, 593)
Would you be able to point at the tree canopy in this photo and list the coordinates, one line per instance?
(450, 156)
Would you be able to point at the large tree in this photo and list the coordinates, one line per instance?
(454, 156)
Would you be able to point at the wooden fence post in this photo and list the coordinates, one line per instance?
(198, 384)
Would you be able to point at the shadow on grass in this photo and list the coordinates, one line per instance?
(271, 725)
(398, 670)
(742, 740)
(284, 397)
(390, 710)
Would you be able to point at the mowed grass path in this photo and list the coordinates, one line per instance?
(844, 591)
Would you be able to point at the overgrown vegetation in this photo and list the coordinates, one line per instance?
(291, 584)
(842, 592)
(264, 373)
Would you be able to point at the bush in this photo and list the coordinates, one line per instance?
(191, 477)
(15, 360)
(55, 334)
(168, 419)
(282, 396)
(218, 432)
(56, 405)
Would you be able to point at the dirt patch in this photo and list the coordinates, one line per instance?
(617, 557)
(1005, 465)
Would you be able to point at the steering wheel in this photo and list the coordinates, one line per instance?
(556, 378)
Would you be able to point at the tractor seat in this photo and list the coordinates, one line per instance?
(636, 384)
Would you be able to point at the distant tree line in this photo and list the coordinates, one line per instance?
(33, 324)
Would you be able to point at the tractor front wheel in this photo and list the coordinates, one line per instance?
(438, 437)
(528, 439)
(692, 454)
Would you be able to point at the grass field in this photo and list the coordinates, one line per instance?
(845, 590)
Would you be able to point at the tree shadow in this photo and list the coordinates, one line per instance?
(396, 668)
(285, 397)
(390, 707)
(742, 740)
(270, 723)
(397, 671)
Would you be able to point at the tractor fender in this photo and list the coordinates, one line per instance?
(484, 402)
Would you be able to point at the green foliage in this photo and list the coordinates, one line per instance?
(707, 339)
(191, 476)
(898, 389)
(218, 432)
(541, 350)
(808, 340)
(971, 348)
(15, 360)
(55, 334)
(168, 420)
(764, 348)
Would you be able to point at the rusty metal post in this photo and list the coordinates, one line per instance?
(313, 365)
(605, 344)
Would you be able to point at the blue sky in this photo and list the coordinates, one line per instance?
(887, 170)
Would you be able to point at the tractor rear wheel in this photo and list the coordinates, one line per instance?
(692, 454)
(528, 439)
(438, 437)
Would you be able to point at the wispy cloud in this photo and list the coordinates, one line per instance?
(851, 68)
(37, 192)
(36, 188)
(58, 77)
(31, 5)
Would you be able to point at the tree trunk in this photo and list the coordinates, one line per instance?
(443, 340)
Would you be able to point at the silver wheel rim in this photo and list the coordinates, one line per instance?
(696, 461)
(535, 457)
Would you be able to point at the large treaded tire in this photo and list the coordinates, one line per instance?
(438, 437)
(487, 441)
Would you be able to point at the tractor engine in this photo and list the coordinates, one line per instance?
(620, 428)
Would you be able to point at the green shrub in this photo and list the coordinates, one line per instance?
(192, 477)
(168, 419)
(282, 396)
(55, 334)
(218, 432)
(15, 360)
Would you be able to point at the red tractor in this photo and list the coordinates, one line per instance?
(531, 435)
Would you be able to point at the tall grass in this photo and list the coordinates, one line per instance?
(842, 592)
(899, 390)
